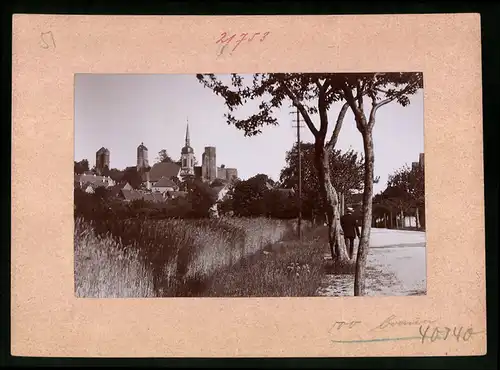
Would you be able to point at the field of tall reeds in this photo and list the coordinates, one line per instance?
(105, 268)
(144, 257)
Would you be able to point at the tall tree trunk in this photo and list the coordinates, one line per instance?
(417, 218)
(335, 240)
(364, 242)
(392, 224)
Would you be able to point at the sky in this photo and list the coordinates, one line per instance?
(121, 111)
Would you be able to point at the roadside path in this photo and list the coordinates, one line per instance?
(396, 266)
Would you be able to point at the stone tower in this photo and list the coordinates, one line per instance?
(142, 157)
(209, 166)
(101, 160)
(187, 157)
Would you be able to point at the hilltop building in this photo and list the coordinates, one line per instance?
(207, 172)
(101, 160)
(166, 176)
(420, 162)
(142, 157)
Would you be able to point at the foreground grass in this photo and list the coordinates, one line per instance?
(216, 258)
(125, 257)
(105, 268)
(223, 242)
(294, 270)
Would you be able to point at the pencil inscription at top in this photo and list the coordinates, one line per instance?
(48, 40)
(226, 39)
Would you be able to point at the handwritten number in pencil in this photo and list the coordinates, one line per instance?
(224, 40)
(47, 39)
(222, 37)
(243, 37)
(456, 333)
(263, 37)
(467, 334)
(443, 333)
(255, 34)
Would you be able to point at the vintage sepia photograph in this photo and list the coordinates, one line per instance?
(249, 185)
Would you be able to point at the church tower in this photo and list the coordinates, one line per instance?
(187, 157)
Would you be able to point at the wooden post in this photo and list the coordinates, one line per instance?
(300, 174)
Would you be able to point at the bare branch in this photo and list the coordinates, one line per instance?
(381, 90)
(323, 109)
(359, 96)
(376, 106)
(301, 109)
(359, 115)
(335, 135)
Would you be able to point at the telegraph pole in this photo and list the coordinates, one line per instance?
(298, 126)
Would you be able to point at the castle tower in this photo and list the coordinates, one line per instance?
(187, 156)
(209, 166)
(142, 157)
(101, 160)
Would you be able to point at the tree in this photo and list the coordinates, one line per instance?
(163, 157)
(311, 93)
(410, 183)
(346, 175)
(280, 204)
(116, 175)
(81, 167)
(248, 196)
(202, 197)
(216, 183)
(133, 177)
(101, 193)
(106, 171)
(381, 89)
(315, 93)
(393, 200)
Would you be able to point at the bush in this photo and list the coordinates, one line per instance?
(201, 197)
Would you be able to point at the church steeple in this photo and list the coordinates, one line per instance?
(187, 135)
(187, 156)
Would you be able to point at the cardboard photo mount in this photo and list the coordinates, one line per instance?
(47, 319)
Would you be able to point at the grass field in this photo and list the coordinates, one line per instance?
(234, 257)
(145, 258)
(105, 268)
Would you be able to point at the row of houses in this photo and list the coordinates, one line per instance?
(162, 190)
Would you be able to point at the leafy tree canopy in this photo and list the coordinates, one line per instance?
(81, 167)
(133, 177)
(163, 157)
(312, 93)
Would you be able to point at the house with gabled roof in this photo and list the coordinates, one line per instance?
(130, 195)
(85, 179)
(164, 184)
(117, 188)
(160, 170)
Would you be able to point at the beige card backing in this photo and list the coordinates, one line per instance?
(47, 319)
